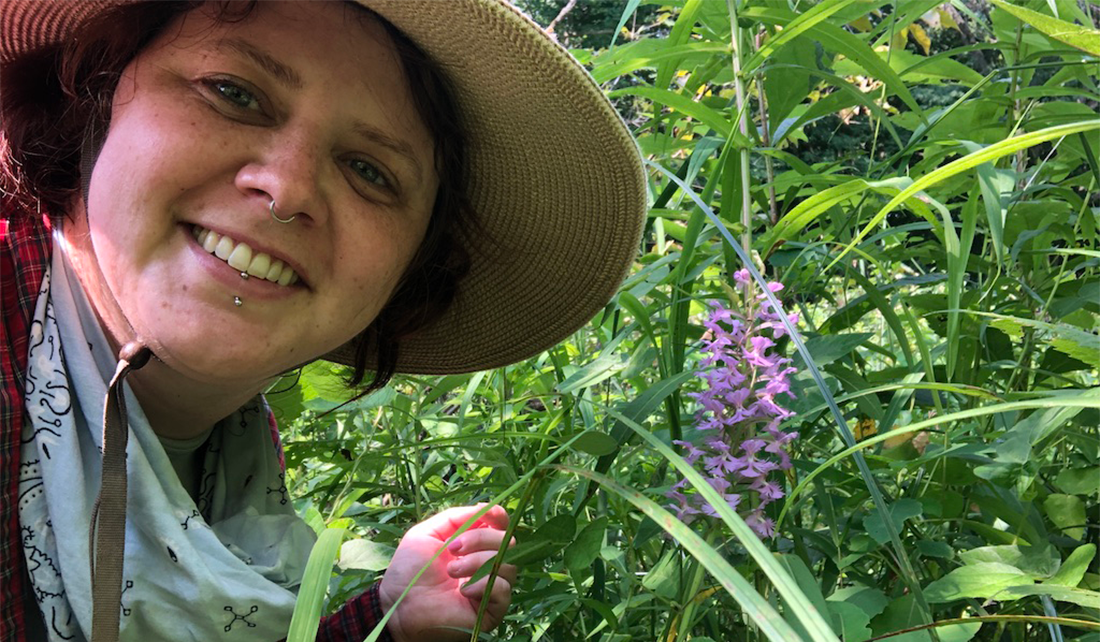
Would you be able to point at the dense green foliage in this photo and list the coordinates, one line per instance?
(923, 179)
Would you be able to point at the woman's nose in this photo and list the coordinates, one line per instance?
(290, 175)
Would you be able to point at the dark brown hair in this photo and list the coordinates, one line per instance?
(56, 104)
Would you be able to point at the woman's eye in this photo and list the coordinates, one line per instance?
(369, 173)
(235, 94)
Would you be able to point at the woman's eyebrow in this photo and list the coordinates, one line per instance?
(282, 72)
(396, 145)
(286, 75)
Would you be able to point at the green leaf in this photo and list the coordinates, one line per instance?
(754, 606)
(628, 10)
(993, 152)
(836, 39)
(1067, 512)
(793, 29)
(311, 594)
(1073, 569)
(1083, 38)
(827, 348)
(871, 601)
(683, 104)
(585, 548)
(1036, 562)
(365, 554)
(850, 622)
(664, 578)
(596, 443)
(810, 588)
(1079, 481)
(900, 511)
(809, 616)
(981, 580)
(1081, 597)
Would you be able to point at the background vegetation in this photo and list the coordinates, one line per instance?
(922, 177)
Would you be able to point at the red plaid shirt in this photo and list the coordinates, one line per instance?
(25, 246)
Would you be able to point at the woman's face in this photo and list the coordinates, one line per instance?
(304, 103)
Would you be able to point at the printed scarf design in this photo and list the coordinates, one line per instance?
(222, 568)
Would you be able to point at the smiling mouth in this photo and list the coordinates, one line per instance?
(241, 257)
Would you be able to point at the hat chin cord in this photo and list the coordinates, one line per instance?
(107, 529)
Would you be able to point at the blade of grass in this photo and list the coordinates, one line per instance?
(311, 594)
(804, 610)
(1088, 399)
(909, 576)
(991, 153)
(755, 606)
(1083, 38)
(803, 23)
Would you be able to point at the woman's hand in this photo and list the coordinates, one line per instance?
(438, 606)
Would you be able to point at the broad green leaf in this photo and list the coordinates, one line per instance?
(809, 586)
(1037, 563)
(1073, 569)
(850, 622)
(827, 348)
(610, 67)
(1067, 512)
(364, 554)
(585, 548)
(981, 580)
(1081, 597)
(596, 443)
(600, 369)
(901, 510)
(1083, 38)
(1079, 481)
(871, 601)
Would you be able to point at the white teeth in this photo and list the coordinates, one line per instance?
(240, 257)
(259, 266)
(274, 271)
(224, 248)
(211, 241)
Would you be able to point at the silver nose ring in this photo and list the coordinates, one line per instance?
(275, 216)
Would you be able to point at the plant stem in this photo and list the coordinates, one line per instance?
(742, 122)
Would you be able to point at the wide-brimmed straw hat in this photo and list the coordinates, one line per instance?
(555, 177)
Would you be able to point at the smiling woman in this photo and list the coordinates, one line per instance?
(235, 189)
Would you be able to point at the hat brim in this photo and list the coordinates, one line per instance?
(555, 178)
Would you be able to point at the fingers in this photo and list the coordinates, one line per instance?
(500, 595)
(481, 539)
(442, 525)
(467, 565)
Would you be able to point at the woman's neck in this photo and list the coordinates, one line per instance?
(179, 408)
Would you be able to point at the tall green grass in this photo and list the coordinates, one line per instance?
(933, 216)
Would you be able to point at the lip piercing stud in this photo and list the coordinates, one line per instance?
(276, 216)
(237, 301)
(244, 275)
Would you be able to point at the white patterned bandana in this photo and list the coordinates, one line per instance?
(222, 568)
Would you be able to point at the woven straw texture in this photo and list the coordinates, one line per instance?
(556, 179)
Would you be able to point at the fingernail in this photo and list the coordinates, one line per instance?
(455, 546)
